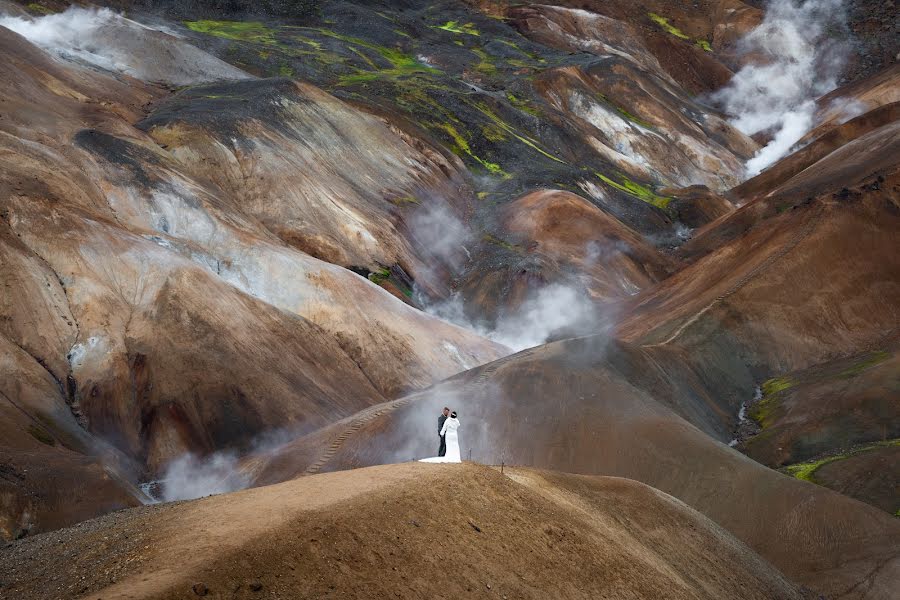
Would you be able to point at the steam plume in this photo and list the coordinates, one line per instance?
(801, 60)
(104, 39)
(189, 476)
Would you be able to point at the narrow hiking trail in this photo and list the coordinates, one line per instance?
(355, 425)
(795, 241)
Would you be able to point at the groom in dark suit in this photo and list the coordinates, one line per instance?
(442, 449)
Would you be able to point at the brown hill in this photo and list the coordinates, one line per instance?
(557, 237)
(412, 530)
(152, 300)
(587, 407)
(827, 408)
(834, 424)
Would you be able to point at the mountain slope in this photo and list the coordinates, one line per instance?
(419, 530)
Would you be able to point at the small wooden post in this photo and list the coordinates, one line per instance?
(501, 467)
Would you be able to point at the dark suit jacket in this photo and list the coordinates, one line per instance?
(441, 420)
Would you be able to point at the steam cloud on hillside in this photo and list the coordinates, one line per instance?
(73, 33)
(804, 52)
(190, 476)
(104, 39)
(554, 310)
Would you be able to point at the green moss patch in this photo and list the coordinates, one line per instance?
(806, 470)
(39, 9)
(380, 276)
(528, 141)
(485, 63)
(776, 385)
(455, 27)
(869, 361)
(763, 412)
(667, 27)
(522, 105)
(664, 24)
(244, 31)
(403, 200)
(637, 190)
(461, 147)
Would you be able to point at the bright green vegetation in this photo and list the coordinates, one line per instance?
(455, 27)
(776, 385)
(522, 105)
(763, 411)
(668, 27)
(806, 470)
(41, 435)
(380, 276)
(870, 361)
(402, 64)
(485, 64)
(39, 9)
(285, 71)
(515, 46)
(493, 133)
(637, 190)
(461, 146)
(402, 200)
(671, 29)
(379, 61)
(244, 31)
(383, 276)
(528, 141)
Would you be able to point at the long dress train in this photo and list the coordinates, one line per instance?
(452, 439)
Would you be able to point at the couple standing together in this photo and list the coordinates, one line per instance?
(448, 450)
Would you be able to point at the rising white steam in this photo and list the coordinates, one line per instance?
(440, 234)
(795, 59)
(189, 476)
(105, 39)
(550, 312)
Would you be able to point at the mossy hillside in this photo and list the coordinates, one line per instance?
(806, 470)
(632, 188)
(36, 8)
(455, 27)
(245, 31)
(871, 360)
(763, 411)
(473, 93)
(355, 68)
(666, 26)
(663, 22)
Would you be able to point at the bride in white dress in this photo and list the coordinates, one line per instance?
(452, 439)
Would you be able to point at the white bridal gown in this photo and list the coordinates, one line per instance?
(452, 439)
